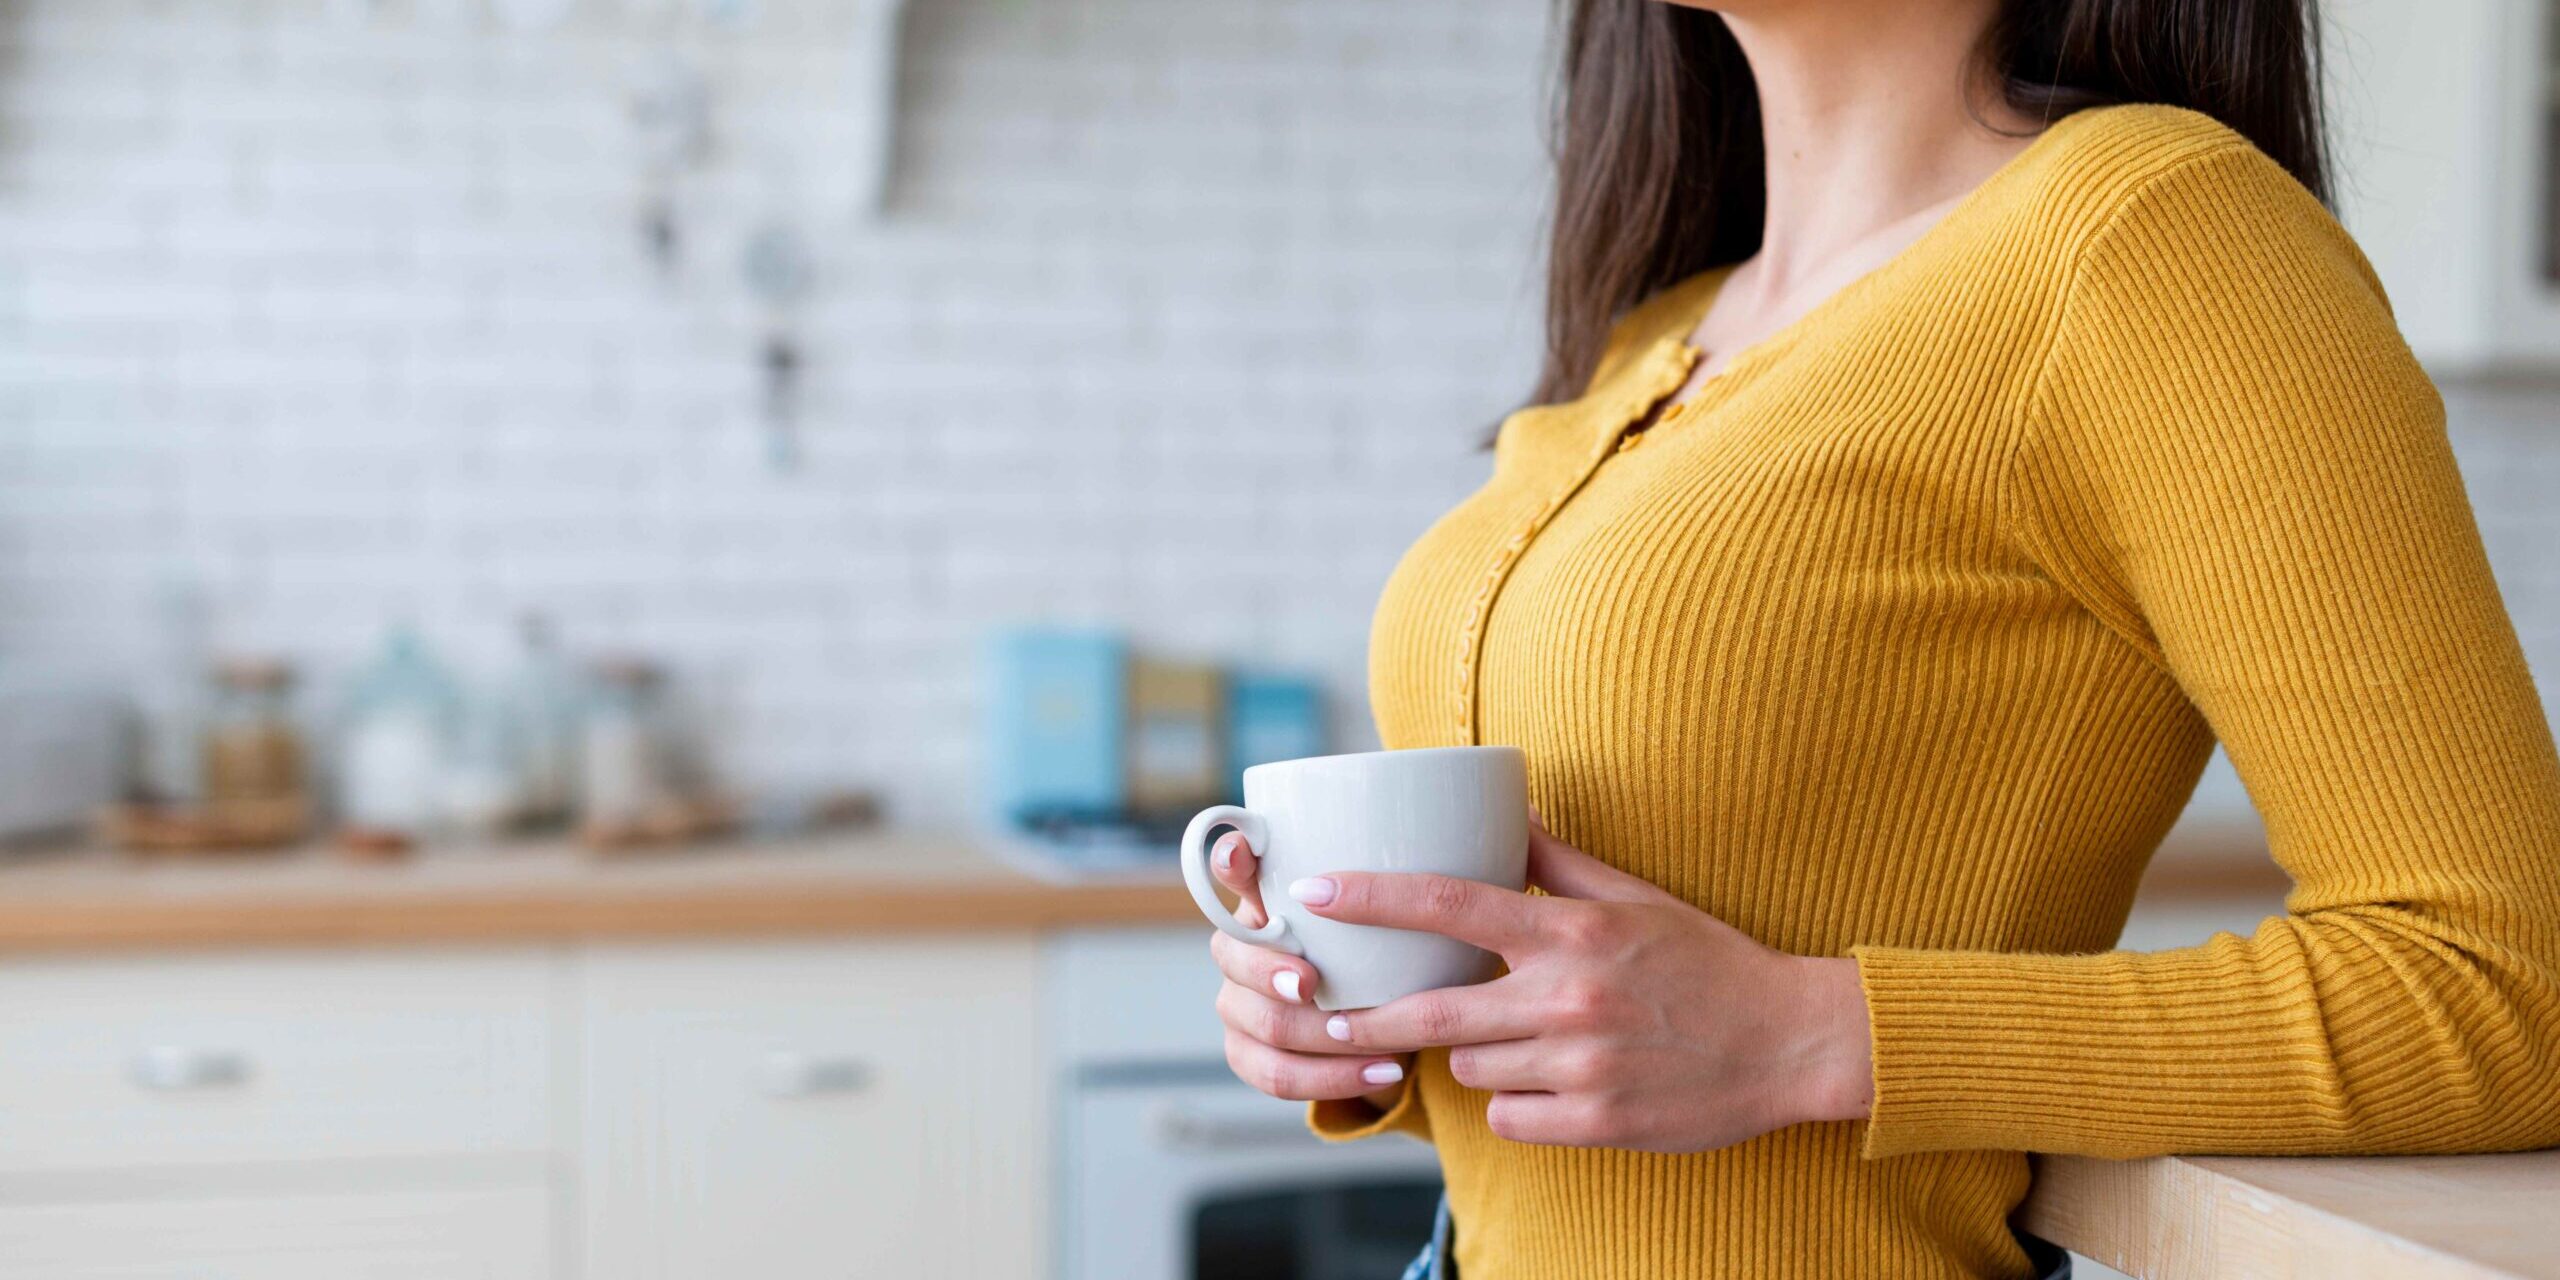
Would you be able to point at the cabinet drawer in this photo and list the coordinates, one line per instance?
(474, 1233)
(179, 1060)
(798, 1112)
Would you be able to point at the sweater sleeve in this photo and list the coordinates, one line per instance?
(1353, 1118)
(2232, 460)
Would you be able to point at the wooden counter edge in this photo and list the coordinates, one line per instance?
(779, 909)
(2193, 1218)
(784, 906)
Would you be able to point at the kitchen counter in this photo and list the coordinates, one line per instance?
(897, 882)
(92, 900)
(2340, 1218)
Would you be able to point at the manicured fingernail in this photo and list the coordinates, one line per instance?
(1286, 983)
(1225, 854)
(1338, 1027)
(1382, 1073)
(1315, 891)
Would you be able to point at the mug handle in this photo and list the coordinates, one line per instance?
(1204, 889)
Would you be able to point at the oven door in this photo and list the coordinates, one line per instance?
(1176, 1173)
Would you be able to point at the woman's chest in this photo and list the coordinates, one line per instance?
(1771, 543)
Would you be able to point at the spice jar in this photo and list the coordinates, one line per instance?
(252, 750)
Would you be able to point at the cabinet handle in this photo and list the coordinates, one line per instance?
(808, 1075)
(1179, 1128)
(171, 1067)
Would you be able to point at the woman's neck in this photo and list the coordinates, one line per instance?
(1873, 118)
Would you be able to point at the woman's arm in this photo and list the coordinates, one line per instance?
(2235, 463)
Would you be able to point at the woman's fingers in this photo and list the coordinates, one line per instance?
(1296, 1027)
(1567, 872)
(1233, 862)
(1512, 1066)
(1562, 1120)
(1489, 1011)
(1262, 969)
(1502, 921)
(1306, 1077)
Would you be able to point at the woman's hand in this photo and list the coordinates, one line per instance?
(1276, 1040)
(1628, 1018)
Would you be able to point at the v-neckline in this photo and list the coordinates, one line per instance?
(1660, 414)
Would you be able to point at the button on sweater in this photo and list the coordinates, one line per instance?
(1906, 638)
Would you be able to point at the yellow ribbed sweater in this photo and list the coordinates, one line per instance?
(1906, 640)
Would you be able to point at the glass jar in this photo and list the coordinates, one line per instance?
(622, 768)
(399, 740)
(544, 704)
(252, 748)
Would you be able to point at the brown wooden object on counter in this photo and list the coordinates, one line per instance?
(232, 826)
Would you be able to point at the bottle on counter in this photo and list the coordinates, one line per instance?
(483, 780)
(170, 699)
(622, 765)
(544, 702)
(400, 728)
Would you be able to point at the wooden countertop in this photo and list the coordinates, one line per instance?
(94, 900)
(2338, 1217)
(903, 882)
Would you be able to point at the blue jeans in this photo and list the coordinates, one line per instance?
(1435, 1262)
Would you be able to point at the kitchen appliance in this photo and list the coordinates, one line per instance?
(1171, 1169)
(61, 755)
(1270, 717)
(1177, 746)
(1095, 754)
(1057, 709)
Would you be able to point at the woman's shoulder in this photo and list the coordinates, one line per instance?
(2182, 255)
(2098, 158)
(2142, 136)
(2177, 179)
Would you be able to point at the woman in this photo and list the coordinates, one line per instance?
(1958, 415)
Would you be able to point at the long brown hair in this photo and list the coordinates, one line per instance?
(1656, 129)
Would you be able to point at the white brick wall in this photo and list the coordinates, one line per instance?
(348, 319)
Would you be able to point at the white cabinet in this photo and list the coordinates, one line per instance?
(205, 1059)
(814, 1111)
(823, 1109)
(279, 1117)
(2441, 121)
(473, 1233)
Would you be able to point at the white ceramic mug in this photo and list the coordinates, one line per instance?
(1453, 811)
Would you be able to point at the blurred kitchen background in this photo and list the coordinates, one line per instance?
(603, 602)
